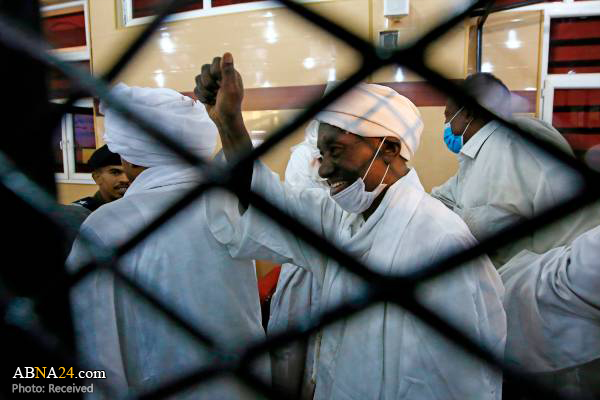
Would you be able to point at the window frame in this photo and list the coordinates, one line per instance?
(127, 20)
(62, 176)
(80, 53)
(565, 81)
(547, 82)
(67, 142)
(67, 145)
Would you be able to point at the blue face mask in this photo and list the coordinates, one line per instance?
(454, 142)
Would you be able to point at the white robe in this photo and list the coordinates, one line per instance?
(295, 302)
(502, 180)
(553, 306)
(383, 352)
(297, 295)
(180, 263)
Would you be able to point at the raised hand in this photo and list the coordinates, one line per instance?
(220, 88)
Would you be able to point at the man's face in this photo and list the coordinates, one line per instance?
(345, 157)
(131, 170)
(112, 182)
(460, 120)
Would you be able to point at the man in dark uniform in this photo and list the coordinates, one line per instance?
(109, 176)
(112, 183)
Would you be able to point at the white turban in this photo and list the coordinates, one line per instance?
(181, 118)
(371, 110)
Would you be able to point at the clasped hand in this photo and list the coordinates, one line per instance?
(220, 88)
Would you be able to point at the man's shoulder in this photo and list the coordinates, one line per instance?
(74, 211)
(507, 154)
(86, 202)
(111, 213)
(138, 209)
(438, 220)
(515, 145)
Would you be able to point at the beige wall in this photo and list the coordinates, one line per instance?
(271, 48)
(69, 192)
(433, 162)
(446, 55)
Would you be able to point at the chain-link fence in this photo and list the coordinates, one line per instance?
(397, 290)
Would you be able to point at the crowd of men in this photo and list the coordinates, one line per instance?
(532, 302)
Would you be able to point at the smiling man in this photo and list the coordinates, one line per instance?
(377, 211)
(110, 177)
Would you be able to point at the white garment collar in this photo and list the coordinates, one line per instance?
(411, 179)
(164, 176)
(385, 227)
(402, 185)
(472, 147)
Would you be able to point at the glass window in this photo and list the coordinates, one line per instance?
(576, 114)
(65, 30)
(574, 45)
(144, 8)
(219, 3)
(57, 149)
(138, 9)
(60, 86)
(74, 142)
(500, 3)
(84, 138)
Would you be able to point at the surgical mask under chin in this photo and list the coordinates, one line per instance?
(454, 142)
(355, 199)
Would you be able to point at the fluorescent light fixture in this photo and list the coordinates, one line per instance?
(487, 67)
(331, 75)
(309, 63)
(165, 43)
(399, 77)
(159, 79)
(271, 35)
(512, 42)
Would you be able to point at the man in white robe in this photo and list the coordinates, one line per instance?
(553, 311)
(395, 228)
(296, 297)
(502, 179)
(181, 262)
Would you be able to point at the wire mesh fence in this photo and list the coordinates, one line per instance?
(400, 291)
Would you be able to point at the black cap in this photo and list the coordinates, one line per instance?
(103, 157)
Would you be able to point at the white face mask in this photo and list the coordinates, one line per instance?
(355, 199)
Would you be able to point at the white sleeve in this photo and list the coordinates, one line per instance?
(445, 192)
(255, 236)
(476, 309)
(553, 306)
(556, 185)
(584, 269)
(95, 326)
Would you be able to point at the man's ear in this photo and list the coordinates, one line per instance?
(96, 175)
(391, 148)
(470, 114)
